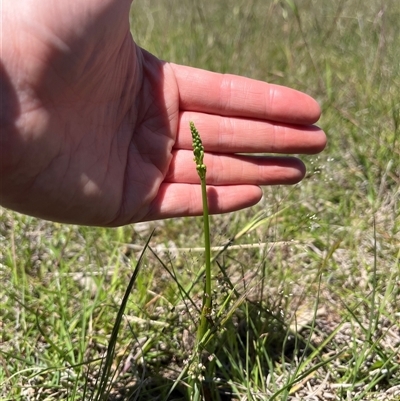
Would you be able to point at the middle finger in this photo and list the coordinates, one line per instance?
(239, 135)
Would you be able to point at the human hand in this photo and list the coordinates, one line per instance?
(95, 130)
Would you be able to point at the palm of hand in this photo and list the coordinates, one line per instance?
(133, 148)
(97, 132)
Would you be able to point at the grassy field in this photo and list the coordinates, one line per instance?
(307, 282)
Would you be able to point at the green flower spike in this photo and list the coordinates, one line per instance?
(198, 151)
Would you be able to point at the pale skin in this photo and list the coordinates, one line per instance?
(95, 130)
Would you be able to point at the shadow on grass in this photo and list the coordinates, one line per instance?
(253, 340)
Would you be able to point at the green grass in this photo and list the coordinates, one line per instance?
(308, 301)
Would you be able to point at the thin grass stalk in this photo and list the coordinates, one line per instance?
(102, 389)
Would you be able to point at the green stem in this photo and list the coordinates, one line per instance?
(198, 151)
(207, 300)
(198, 388)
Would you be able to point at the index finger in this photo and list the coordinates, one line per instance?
(232, 95)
